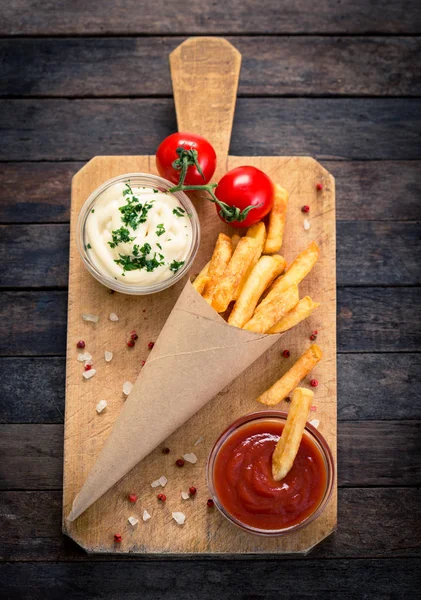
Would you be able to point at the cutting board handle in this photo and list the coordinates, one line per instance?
(205, 73)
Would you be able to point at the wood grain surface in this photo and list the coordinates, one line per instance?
(271, 66)
(162, 16)
(326, 128)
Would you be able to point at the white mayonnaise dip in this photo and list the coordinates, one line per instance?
(138, 235)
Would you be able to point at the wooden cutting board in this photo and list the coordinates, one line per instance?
(205, 73)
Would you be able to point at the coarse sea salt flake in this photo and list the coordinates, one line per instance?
(101, 405)
(127, 387)
(179, 517)
(199, 440)
(113, 317)
(306, 224)
(190, 457)
(89, 374)
(315, 423)
(133, 521)
(185, 495)
(108, 356)
(90, 318)
(146, 515)
(82, 356)
(162, 481)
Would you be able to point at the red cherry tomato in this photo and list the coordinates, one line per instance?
(242, 187)
(167, 154)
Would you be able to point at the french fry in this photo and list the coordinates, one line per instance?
(280, 390)
(264, 272)
(220, 258)
(276, 220)
(289, 443)
(301, 311)
(257, 232)
(202, 279)
(234, 240)
(237, 267)
(273, 311)
(301, 266)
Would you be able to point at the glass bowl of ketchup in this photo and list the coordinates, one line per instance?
(239, 476)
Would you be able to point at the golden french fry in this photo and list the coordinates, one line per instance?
(220, 258)
(267, 268)
(234, 240)
(301, 266)
(301, 311)
(202, 279)
(289, 443)
(276, 220)
(273, 311)
(238, 265)
(257, 232)
(280, 390)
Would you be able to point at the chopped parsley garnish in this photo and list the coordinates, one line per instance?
(160, 229)
(140, 259)
(133, 213)
(88, 246)
(128, 190)
(179, 212)
(175, 265)
(155, 191)
(93, 210)
(159, 246)
(120, 236)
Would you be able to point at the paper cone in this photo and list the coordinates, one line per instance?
(196, 355)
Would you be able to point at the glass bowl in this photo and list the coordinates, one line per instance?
(311, 432)
(146, 180)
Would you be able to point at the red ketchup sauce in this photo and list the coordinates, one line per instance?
(245, 487)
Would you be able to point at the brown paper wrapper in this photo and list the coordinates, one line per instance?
(195, 356)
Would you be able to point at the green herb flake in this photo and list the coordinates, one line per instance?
(175, 265)
(141, 259)
(128, 191)
(179, 212)
(120, 236)
(93, 210)
(159, 246)
(134, 212)
(155, 191)
(88, 246)
(160, 229)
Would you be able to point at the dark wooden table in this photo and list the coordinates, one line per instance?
(336, 80)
